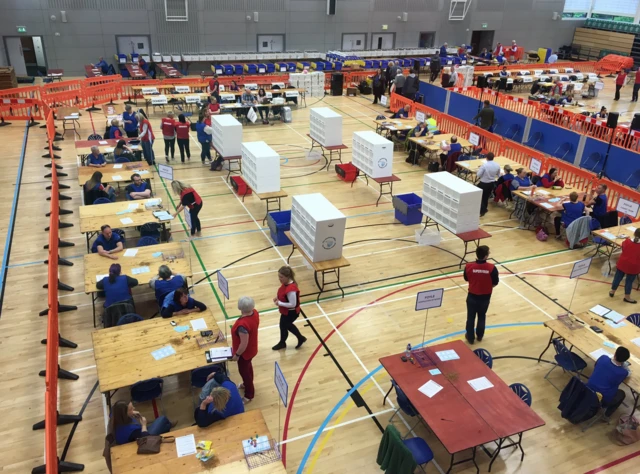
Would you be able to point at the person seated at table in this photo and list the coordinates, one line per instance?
(485, 54)
(416, 152)
(114, 131)
(108, 243)
(142, 64)
(504, 72)
(551, 179)
(165, 282)
(116, 287)
(521, 181)
(96, 159)
(450, 149)
(263, 111)
(104, 67)
(571, 211)
(603, 114)
(291, 99)
(608, 374)
(462, 51)
(247, 99)
(214, 106)
(502, 193)
(138, 189)
(128, 425)
(94, 189)
(223, 401)
(179, 302)
(123, 151)
(234, 86)
(443, 50)
(445, 78)
(598, 202)
(432, 125)
(402, 113)
(130, 122)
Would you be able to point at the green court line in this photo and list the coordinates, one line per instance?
(193, 245)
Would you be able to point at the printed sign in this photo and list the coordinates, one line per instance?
(192, 99)
(182, 89)
(281, 385)
(223, 285)
(474, 139)
(535, 165)
(159, 100)
(149, 90)
(581, 268)
(627, 207)
(420, 117)
(384, 100)
(165, 171)
(429, 299)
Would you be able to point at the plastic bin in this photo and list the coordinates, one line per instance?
(271, 68)
(430, 236)
(278, 223)
(238, 69)
(347, 172)
(251, 68)
(240, 186)
(228, 69)
(408, 208)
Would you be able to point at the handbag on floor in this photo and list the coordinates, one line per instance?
(151, 444)
(628, 430)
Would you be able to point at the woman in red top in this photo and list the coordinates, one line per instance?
(288, 301)
(629, 265)
(182, 131)
(214, 107)
(191, 199)
(551, 179)
(146, 138)
(168, 127)
(244, 339)
(621, 80)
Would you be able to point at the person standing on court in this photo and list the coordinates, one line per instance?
(214, 87)
(130, 122)
(168, 127)
(288, 302)
(146, 139)
(244, 339)
(486, 116)
(378, 86)
(621, 81)
(487, 175)
(482, 277)
(628, 265)
(191, 199)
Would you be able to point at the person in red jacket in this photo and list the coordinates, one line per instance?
(288, 302)
(636, 87)
(629, 265)
(168, 127)
(244, 340)
(621, 81)
(482, 277)
(190, 199)
(182, 132)
(214, 87)
(146, 138)
(551, 179)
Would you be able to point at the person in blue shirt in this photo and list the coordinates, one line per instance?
(116, 287)
(96, 160)
(108, 243)
(165, 282)
(223, 401)
(130, 122)
(450, 149)
(402, 113)
(94, 189)
(138, 189)
(607, 376)
(102, 65)
(598, 202)
(179, 302)
(572, 211)
(114, 130)
(504, 72)
(204, 133)
(128, 425)
(485, 54)
(520, 181)
(443, 50)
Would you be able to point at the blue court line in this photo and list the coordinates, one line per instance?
(40, 262)
(335, 409)
(12, 218)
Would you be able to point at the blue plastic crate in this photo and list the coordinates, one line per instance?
(228, 69)
(278, 223)
(408, 208)
(271, 68)
(238, 69)
(252, 68)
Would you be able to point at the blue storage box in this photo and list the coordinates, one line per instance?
(238, 69)
(337, 66)
(292, 67)
(278, 223)
(328, 66)
(271, 68)
(384, 63)
(261, 68)
(368, 64)
(219, 69)
(251, 68)
(228, 69)
(375, 64)
(408, 208)
(319, 65)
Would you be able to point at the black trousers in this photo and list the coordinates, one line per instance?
(206, 151)
(169, 146)
(443, 159)
(377, 93)
(183, 145)
(617, 96)
(195, 221)
(634, 96)
(133, 134)
(557, 221)
(486, 193)
(477, 305)
(287, 326)
(615, 403)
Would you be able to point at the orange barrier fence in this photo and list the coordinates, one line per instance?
(556, 115)
(586, 66)
(417, 107)
(616, 191)
(128, 92)
(627, 138)
(573, 176)
(523, 154)
(101, 90)
(396, 102)
(613, 63)
(519, 105)
(449, 124)
(592, 127)
(19, 109)
(488, 142)
(468, 91)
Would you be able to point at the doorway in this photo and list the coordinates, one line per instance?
(481, 39)
(26, 55)
(354, 41)
(383, 40)
(270, 43)
(427, 39)
(134, 44)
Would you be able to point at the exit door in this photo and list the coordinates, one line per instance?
(134, 44)
(15, 55)
(481, 39)
(270, 43)
(382, 40)
(354, 41)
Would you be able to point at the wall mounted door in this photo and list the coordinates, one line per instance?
(382, 40)
(270, 43)
(15, 55)
(134, 44)
(354, 41)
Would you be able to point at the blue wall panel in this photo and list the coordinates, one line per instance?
(509, 124)
(552, 138)
(463, 107)
(434, 97)
(623, 165)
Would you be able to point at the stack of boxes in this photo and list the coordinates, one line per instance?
(466, 74)
(227, 135)
(451, 202)
(260, 167)
(372, 154)
(312, 83)
(325, 126)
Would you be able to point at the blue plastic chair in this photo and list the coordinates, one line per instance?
(515, 128)
(146, 241)
(128, 319)
(102, 200)
(404, 404)
(594, 157)
(567, 360)
(148, 390)
(522, 391)
(420, 451)
(123, 159)
(535, 139)
(562, 151)
(485, 357)
(199, 378)
(634, 319)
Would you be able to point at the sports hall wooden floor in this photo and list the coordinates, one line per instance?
(375, 319)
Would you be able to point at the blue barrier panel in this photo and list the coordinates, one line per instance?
(550, 138)
(623, 165)
(509, 124)
(463, 107)
(434, 96)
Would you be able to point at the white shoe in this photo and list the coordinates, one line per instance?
(240, 386)
(246, 400)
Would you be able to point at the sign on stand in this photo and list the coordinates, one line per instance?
(283, 390)
(384, 100)
(535, 165)
(426, 300)
(420, 116)
(581, 268)
(474, 139)
(165, 171)
(628, 207)
(223, 285)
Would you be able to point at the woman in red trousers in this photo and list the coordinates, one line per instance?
(288, 302)
(244, 340)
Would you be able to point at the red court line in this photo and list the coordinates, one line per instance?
(363, 205)
(614, 463)
(92, 126)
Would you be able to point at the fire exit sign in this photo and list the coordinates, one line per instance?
(485, 25)
(21, 29)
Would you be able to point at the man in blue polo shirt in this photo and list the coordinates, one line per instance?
(104, 67)
(96, 160)
(598, 202)
(108, 243)
(130, 122)
(607, 376)
(138, 189)
(449, 148)
(443, 50)
(166, 282)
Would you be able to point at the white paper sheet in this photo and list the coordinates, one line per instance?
(117, 167)
(599, 353)
(185, 445)
(447, 355)
(615, 316)
(546, 205)
(541, 191)
(608, 235)
(126, 220)
(632, 229)
(435, 372)
(430, 388)
(133, 206)
(116, 177)
(100, 277)
(163, 352)
(103, 142)
(636, 341)
(130, 252)
(616, 325)
(479, 384)
(600, 310)
(198, 324)
(220, 353)
(138, 270)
